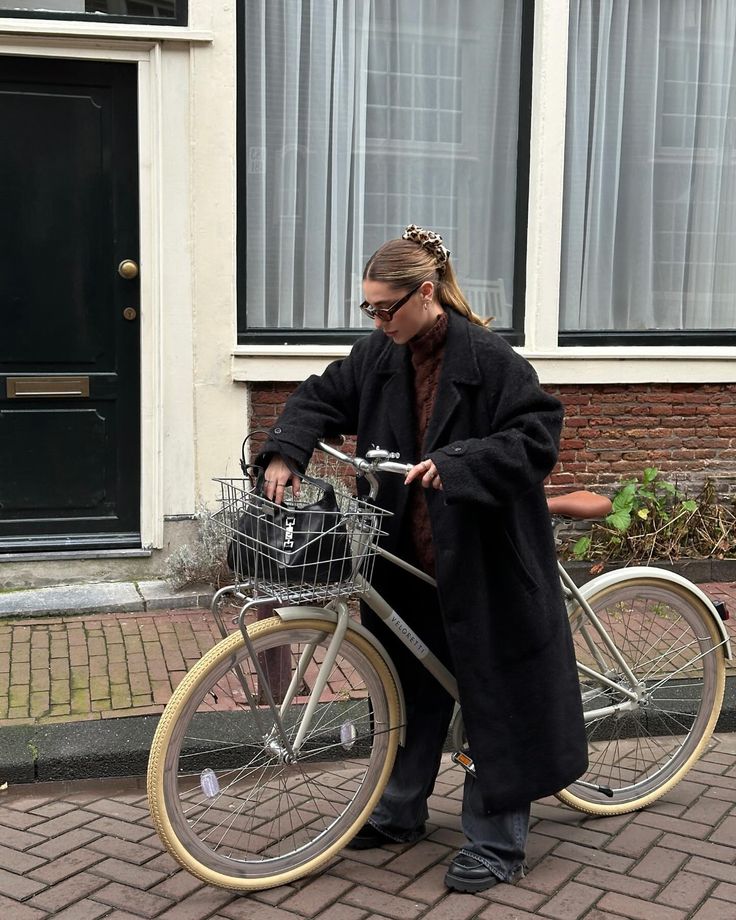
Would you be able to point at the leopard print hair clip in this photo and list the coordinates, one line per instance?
(431, 241)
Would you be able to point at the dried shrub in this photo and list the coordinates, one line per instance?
(653, 520)
(202, 561)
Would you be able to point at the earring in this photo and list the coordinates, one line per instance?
(426, 305)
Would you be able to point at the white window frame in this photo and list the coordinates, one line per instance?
(554, 364)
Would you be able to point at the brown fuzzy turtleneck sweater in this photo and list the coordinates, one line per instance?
(427, 352)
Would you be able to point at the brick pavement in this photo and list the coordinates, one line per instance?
(87, 851)
(82, 851)
(77, 668)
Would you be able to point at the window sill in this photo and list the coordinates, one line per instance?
(674, 364)
(105, 30)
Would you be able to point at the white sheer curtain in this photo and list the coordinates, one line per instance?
(649, 215)
(362, 116)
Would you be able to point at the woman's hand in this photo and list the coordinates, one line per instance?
(429, 473)
(278, 477)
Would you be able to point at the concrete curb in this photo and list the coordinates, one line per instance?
(120, 746)
(77, 750)
(105, 597)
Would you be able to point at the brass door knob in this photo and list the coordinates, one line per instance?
(128, 269)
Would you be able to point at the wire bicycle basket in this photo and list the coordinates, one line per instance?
(302, 550)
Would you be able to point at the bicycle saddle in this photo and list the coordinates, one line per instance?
(580, 505)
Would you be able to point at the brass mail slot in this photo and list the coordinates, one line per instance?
(45, 387)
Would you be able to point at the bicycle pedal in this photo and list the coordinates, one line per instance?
(463, 760)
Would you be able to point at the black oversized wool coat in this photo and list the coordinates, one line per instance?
(493, 436)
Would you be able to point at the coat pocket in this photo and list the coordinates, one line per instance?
(527, 579)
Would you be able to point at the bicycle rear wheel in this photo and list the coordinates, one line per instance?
(227, 799)
(670, 642)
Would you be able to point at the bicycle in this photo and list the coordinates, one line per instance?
(277, 745)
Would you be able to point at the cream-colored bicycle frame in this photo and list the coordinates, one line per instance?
(336, 612)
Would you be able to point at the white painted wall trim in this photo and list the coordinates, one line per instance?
(150, 172)
(546, 174)
(284, 364)
(104, 30)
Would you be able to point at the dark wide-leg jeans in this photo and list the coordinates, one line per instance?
(497, 840)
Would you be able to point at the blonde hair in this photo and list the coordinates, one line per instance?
(408, 262)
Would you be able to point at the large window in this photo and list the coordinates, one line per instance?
(649, 225)
(357, 117)
(164, 12)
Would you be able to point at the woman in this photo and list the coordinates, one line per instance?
(435, 385)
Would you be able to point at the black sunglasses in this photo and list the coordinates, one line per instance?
(386, 314)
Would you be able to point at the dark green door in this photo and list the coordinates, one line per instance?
(69, 318)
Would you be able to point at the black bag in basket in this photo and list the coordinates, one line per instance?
(291, 542)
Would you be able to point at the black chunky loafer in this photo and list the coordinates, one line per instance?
(468, 873)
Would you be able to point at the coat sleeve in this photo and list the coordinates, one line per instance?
(519, 449)
(324, 405)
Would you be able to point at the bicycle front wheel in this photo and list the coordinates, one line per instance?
(639, 749)
(242, 805)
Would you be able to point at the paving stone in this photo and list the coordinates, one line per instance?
(579, 835)
(637, 909)
(83, 910)
(634, 840)
(675, 825)
(387, 904)
(373, 876)
(725, 833)
(198, 906)
(570, 902)
(178, 886)
(514, 896)
(66, 866)
(244, 909)
(592, 857)
(15, 911)
(697, 847)
(18, 887)
(64, 843)
(129, 898)
(504, 912)
(612, 881)
(57, 826)
(548, 875)
(712, 869)
(128, 874)
(686, 890)
(429, 887)
(714, 909)
(417, 858)
(659, 864)
(454, 907)
(18, 861)
(71, 890)
(316, 895)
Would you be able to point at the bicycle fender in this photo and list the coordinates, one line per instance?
(319, 613)
(654, 574)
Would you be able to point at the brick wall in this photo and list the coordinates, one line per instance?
(688, 431)
(612, 433)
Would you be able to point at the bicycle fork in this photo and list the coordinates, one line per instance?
(276, 738)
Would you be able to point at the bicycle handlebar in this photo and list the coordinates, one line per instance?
(368, 467)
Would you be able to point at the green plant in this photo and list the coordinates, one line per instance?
(652, 518)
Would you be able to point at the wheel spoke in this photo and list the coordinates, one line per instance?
(671, 646)
(235, 800)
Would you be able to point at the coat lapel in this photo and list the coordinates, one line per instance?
(459, 368)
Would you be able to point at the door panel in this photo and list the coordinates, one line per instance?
(69, 359)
